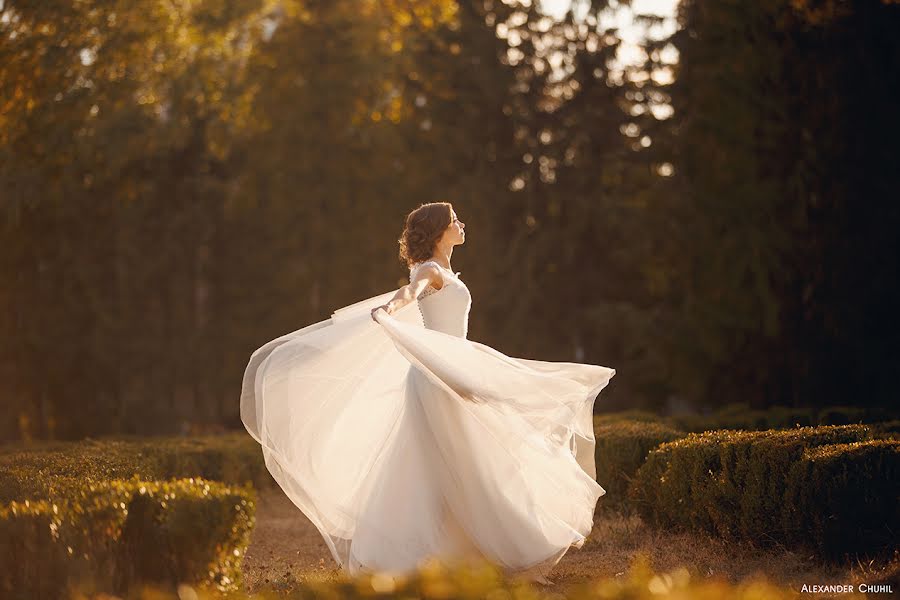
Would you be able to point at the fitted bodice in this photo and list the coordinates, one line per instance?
(446, 309)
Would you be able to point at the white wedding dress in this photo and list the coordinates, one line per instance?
(402, 440)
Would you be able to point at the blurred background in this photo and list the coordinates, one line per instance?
(701, 195)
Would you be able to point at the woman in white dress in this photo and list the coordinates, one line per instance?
(401, 440)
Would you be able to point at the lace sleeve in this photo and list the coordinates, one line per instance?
(415, 269)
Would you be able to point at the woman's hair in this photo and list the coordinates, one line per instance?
(424, 227)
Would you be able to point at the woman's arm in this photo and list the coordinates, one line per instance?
(425, 276)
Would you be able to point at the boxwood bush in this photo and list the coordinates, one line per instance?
(741, 416)
(622, 447)
(845, 498)
(35, 473)
(735, 484)
(116, 534)
(117, 512)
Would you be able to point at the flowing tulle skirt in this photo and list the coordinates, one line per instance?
(401, 443)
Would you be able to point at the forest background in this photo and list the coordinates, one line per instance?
(713, 212)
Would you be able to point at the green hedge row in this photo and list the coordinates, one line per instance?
(116, 534)
(741, 416)
(51, 469)
(621, 448)
(114, 513)
(642, 416)
(756, 485)
(846, 497)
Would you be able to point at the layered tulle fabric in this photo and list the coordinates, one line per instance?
(402, 443)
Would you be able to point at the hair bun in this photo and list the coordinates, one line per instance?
(423, 228)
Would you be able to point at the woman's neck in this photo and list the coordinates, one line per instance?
(442, 258)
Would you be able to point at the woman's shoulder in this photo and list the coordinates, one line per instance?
(430, 267)
(425, 264)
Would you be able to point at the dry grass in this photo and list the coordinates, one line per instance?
(286, 549)
(618, 537)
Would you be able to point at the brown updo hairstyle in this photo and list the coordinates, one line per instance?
(424, 227)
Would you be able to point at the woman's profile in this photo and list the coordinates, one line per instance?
(402, 440)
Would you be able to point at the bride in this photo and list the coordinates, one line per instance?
(401, 440)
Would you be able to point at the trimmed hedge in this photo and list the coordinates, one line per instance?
(888, 429)
(111, 514)
(621, 448)
(735, 483)
(34, 473)
(116, 534)
(741, 416)
(845, 498)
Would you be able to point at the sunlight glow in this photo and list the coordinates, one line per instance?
(623, 18)
(630, 61)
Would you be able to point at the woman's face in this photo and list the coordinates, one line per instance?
(455, 233)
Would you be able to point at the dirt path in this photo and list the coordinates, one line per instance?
(286, 549)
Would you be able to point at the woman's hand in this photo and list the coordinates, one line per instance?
(388, 308)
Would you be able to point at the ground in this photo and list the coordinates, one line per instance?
(286, 548)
